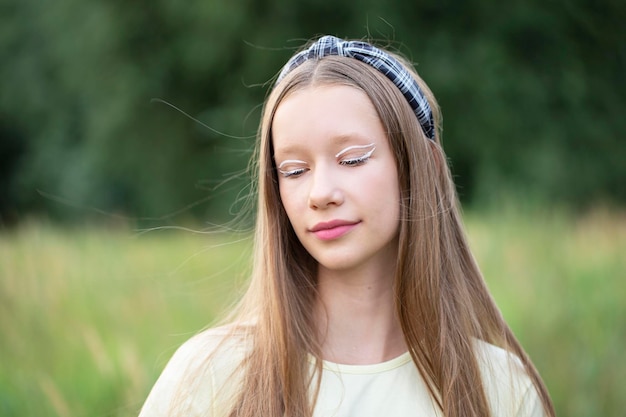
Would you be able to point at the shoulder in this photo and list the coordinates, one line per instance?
(199, 367)
(508, 387)
(222, 342)
(212, 350)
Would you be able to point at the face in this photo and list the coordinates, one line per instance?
(337, 177)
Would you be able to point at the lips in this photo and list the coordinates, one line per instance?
(333, 229)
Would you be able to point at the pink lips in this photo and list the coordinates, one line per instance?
(333, 229)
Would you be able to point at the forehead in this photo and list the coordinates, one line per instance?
(320, 116)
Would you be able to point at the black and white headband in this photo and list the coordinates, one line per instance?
(377, 58)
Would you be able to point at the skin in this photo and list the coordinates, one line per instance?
(336, 168)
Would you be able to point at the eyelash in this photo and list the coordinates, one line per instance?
(292, 173)
(351, 162)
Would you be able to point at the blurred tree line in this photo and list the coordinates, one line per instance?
(532, 93)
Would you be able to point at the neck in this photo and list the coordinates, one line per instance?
(357, 319)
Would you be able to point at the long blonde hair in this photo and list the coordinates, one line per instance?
(442, 301)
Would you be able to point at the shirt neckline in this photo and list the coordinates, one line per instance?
(373, 368)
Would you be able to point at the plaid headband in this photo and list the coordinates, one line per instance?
(377, 58)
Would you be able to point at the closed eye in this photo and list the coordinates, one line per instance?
(292, 172)
(359, 160)
(292, 168)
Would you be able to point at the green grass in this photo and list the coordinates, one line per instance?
(88, 317)
(559, 282)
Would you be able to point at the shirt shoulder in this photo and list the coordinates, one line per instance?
(199, 369)
(507, 385)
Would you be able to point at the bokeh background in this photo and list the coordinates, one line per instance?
(126, 128)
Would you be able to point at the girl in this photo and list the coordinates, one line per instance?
(365, 299)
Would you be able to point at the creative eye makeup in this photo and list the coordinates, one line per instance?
(355, 155)
(351, 156)
(292, 168)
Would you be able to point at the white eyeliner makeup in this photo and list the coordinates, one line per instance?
(299, 167)
(350, 148)
(290, 161)
(292, 172)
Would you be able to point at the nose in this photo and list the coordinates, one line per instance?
(324, 189)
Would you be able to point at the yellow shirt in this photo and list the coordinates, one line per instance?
(194, 385)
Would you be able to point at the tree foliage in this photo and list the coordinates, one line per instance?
(531, 92)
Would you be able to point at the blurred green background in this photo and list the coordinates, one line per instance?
(93, 148)
(532, 94)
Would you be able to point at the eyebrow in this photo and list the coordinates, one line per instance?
(295, 147)
(353, 147)
(290, 161)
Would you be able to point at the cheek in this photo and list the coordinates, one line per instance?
(383, 185)
(384, 196)
(288, 198)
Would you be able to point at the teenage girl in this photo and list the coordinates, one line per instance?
(365, 299)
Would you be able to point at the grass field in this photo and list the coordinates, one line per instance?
(89, 316)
